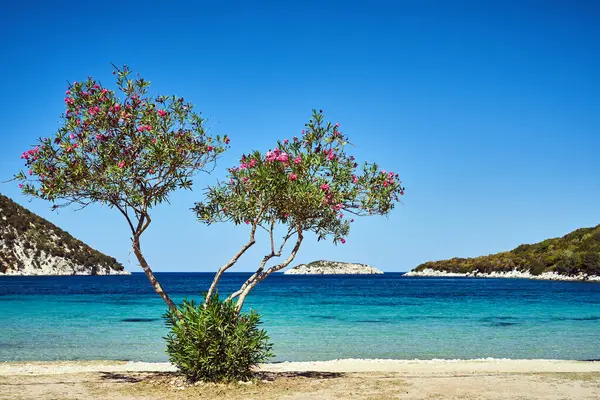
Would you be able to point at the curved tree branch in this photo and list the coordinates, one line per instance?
(261, 275)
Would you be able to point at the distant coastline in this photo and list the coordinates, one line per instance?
(514, 274)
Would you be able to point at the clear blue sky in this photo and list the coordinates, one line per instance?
(489, 110)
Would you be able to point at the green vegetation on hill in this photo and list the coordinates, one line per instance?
(20, 227)
(575, 253)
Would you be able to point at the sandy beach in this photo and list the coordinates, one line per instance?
(347, 379)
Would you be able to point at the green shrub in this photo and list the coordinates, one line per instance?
(215, 343)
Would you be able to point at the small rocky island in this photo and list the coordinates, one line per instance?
(31, 245)
(332, 268)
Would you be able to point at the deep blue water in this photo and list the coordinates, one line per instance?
(309, 317)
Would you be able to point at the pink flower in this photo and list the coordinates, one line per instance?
(20, 186)
(252, 163)
(154, 140)
(270, 156)
(30, 172)
(283, 157)
(227, 141)
(354, 179)
(69, 100)
(117, 107)
(72, 136)
(343, 240)
(121, 164)
(330, 156)
(337, 125)
(297, 160)
(162, 113)
(68, 92)
(245, 179)
(324, 187)
(96, 86)
(247, 222)
(140, 128)
(209, 149)
(286, 141)
(293, 177)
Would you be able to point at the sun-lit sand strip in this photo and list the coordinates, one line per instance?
(342, 365)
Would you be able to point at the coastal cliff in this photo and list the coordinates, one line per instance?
(31, 245)
(332, 267)
(573, 257)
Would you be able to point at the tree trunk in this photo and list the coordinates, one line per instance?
(150, 275)
(221, 271)
(259, 276)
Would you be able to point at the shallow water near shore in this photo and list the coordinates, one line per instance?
(309, 317)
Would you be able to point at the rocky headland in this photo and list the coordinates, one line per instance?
(573, 257)
(31, 245)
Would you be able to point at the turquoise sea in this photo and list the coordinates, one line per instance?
(309, 317)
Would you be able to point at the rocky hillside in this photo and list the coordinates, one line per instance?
(31, 245)
(575, 255)
(331, 267)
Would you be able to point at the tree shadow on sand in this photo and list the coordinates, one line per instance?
(137, 377)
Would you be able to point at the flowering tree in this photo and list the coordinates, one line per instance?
(308, 184)
(129, 154)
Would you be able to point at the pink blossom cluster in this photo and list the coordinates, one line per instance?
(330, 154)
(277, 155)
(143, 128)
(388, 178)
(31, 153)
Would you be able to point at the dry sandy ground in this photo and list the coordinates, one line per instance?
(339, 379)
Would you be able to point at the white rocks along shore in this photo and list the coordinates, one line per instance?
(550, 276)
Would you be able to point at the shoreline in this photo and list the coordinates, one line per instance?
(346, 365)
(514, 274)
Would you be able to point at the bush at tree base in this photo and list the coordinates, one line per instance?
(213, 342)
